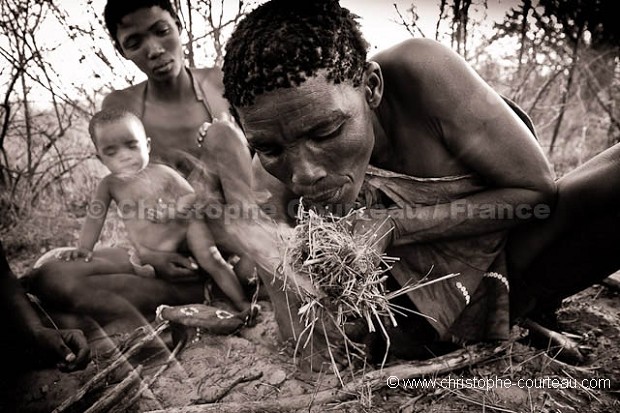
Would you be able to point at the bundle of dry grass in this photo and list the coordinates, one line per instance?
(348, 276)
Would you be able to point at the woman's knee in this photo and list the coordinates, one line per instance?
(53, 284)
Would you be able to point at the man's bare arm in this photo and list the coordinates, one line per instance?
(482, 133)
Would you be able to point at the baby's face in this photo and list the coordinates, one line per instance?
(123, 147)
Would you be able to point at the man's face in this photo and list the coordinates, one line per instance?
(122, 146)
(150, 38)
(316, 138)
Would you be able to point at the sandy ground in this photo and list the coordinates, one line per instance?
(252, 366)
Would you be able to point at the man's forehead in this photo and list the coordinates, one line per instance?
(292, 123)
(296, 109)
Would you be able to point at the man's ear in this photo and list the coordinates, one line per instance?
(373, 84)
(148, 144)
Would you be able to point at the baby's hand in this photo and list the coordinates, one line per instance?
(74, 254)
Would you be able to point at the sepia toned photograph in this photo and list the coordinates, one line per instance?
(325, 205)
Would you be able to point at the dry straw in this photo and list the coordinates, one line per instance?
(348, 276)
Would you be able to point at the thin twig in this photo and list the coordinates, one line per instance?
(105, 403)
(123, 407)
(77, 396)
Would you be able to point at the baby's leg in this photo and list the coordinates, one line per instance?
(203, 248)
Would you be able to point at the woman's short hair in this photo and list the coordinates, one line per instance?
(115, 10)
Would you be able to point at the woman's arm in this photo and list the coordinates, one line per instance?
(69, 347)
(226, 148)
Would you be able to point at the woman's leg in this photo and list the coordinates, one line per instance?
(106, 288)
(577, 246)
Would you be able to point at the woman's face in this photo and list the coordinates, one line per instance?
(150, 38)
(317, 138)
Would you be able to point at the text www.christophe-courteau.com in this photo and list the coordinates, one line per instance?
(490, 383)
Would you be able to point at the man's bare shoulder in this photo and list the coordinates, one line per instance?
(129, 98)
(428, 76)
(412, 52)
(421, 61)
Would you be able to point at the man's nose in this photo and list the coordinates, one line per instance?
(305, 170)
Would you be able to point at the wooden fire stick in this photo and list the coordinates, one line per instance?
(105, 403)
(375, 379)
(77, 396)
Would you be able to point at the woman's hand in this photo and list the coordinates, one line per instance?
(171, 266)
(223, 127)
(69, 347)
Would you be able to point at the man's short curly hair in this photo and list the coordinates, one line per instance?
(115, 10)
(282, 43)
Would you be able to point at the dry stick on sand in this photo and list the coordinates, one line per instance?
(223, 391)
(105, 403)
(77, 396)
(146, 384)
(376, 379)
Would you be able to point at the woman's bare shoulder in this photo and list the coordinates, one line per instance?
(129, 98)
(213, 75)
(210, 79)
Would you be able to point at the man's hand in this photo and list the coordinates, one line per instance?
(76, 253)
(171, 266)
(69, 347)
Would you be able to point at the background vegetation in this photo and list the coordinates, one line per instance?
(559, 60)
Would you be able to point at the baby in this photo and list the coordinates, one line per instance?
(154, 201)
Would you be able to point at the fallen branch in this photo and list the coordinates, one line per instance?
(104, 404)
(373, 380)
(559, 345)
(223, 391)
(146, 384)
(77, 396)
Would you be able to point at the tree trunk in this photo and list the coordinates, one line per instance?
(190, 35)
(566, 94)
(27, 120)
(527, 6)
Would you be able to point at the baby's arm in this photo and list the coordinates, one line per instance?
(202, 246)
(95, 218)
